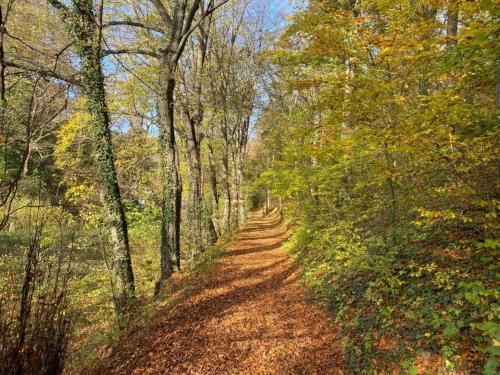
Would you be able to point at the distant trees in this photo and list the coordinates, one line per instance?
(192, 77)
(186, 64)
(236, 72)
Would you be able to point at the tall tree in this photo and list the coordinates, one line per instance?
(84, 23)
(191, 109)
(180, 24)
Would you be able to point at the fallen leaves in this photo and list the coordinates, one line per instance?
(249, 317)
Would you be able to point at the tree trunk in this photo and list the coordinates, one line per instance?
(215, 193)
(85, 31)
(497, 87)
(195, 186)
(235, 186)
(122, 275)
(267, 204)
(176, 225)
(179, 26)
(3, 102)
(226, 216)
(168, 177)
(393, 209)
(241, 197)
(210, 235)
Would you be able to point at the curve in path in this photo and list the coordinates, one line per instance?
(249, 317)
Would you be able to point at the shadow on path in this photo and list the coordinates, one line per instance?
(249, 317)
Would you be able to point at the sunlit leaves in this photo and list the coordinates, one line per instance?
(389, 131)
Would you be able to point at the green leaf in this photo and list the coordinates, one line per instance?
(450, 330)
(490, 368)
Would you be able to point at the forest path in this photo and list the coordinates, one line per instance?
(249, 317)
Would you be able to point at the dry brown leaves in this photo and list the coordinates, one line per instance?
(249, 317)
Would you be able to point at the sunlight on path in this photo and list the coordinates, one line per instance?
(250, 317)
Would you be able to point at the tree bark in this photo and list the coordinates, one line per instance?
(168, 175)
(393, 207)
(267, 207)
(235, 194)
(226, 216)
(176, 225)
(2, 74)
(215, 193)
(241, 197)
(195, 184)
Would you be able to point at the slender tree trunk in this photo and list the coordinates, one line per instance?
(235, 192)
(213, 186)
(176, 225)
(210, 235)
(3, 103)
(226, 216)
(7, 187)
(202, 228)
(241, 197)
(393, 209)
(267, 204)
(497, 85)
(4, 196)
(195, 186)
(168, 170)
(427, 12)
(348, 89)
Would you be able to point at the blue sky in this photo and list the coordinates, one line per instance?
(282, 7)
(287, 6)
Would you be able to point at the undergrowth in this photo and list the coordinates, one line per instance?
(424, 304)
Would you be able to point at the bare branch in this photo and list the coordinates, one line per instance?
(45, 72)
(129, 70)
(135, 24)
(131, 52)
(163, 12)
(205, 14)
(190, 17)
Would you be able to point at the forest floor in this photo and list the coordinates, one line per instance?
(248, 316)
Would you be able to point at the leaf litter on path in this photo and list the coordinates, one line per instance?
(250, 316)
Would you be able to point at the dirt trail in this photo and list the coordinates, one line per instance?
(249, 317)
